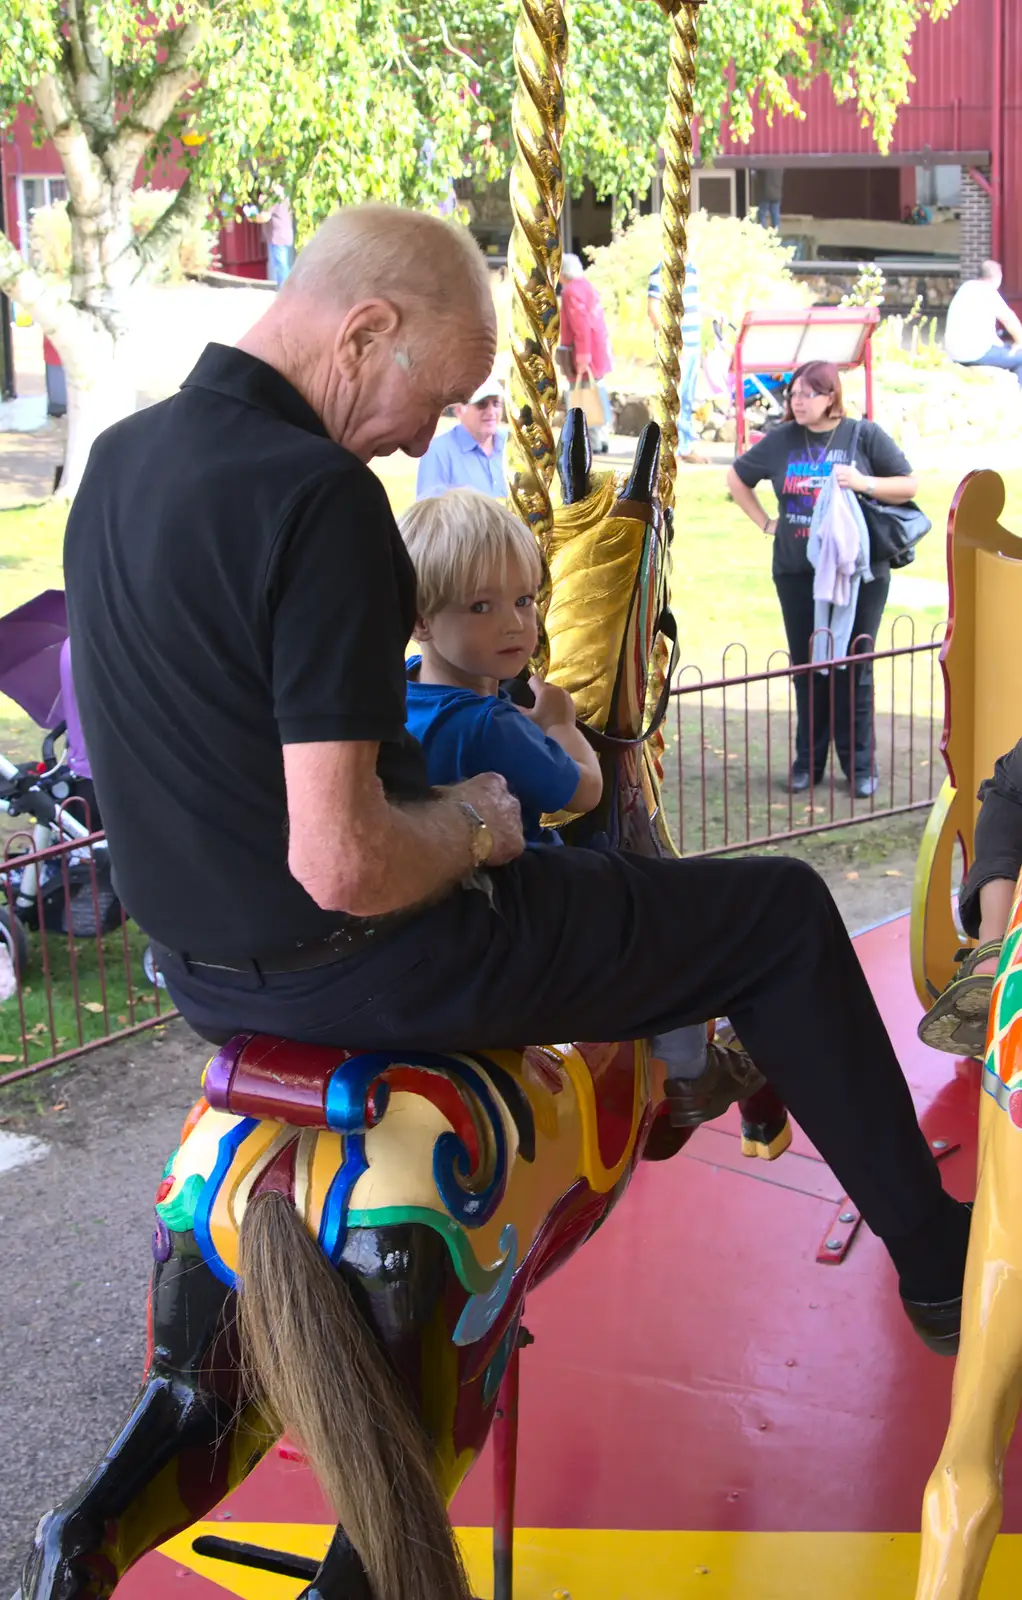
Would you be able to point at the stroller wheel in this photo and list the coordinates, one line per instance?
(14, 940)
(151, 970)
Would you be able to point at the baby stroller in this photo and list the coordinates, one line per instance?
(764, 394)
(54, 796)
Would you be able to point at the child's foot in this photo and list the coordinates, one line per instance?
(730, 1074)
(957, 1021)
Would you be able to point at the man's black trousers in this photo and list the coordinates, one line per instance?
(583, 944)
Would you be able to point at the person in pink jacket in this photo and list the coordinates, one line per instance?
(584, 337)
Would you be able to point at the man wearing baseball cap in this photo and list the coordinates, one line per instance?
(471, 454)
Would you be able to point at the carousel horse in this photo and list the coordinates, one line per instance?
(344, 1242)
(963, 1504)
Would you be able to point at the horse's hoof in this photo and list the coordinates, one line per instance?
(52, 1571)
(766, 1128)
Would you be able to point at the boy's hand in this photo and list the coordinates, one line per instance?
(489, 794)
(554, 707)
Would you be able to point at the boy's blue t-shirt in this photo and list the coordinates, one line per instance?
(463, 733)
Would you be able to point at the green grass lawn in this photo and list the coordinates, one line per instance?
(69, 1005)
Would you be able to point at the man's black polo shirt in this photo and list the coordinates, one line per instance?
(235, 582)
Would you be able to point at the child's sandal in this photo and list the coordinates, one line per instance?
(957, 1021)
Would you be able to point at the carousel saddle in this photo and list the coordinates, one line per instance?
(463, 1140)
(300, 1085)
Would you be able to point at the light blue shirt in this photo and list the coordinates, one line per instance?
(692, 314)
(455, 461)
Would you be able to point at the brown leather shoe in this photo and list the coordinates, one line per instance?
(729, 1075)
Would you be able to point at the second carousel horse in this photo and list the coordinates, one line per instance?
(964, 1498)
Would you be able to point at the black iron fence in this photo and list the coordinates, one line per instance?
(74, 972)
(732, 742)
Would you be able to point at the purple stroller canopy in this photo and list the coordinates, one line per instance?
(30, 644)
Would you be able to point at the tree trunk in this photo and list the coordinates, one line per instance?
(100, 391)
(91, 347)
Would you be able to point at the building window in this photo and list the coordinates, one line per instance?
(939, 186)
(714, 192)
(34, 193)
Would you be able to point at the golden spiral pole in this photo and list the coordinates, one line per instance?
(534, 257)
(674, 216)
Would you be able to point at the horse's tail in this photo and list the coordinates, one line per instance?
(330, 1386)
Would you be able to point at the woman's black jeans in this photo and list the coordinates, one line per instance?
(841, 710)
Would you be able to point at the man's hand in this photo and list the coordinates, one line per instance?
(489, 794)
(554, 707)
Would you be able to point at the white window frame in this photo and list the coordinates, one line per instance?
(46, 179)
(714, 173)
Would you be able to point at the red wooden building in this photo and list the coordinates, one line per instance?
(958, 142)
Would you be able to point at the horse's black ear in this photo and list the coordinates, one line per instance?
(574, 457)
(642, 484)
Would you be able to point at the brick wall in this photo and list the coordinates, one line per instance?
(975, 225)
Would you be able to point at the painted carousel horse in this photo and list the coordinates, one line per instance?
(963, 1503)
(384, 1214)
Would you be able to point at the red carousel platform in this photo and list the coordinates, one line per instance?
(709, 1409)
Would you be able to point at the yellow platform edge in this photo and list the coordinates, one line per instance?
(620, 1564)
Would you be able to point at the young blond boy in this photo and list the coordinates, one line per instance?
(477, 571)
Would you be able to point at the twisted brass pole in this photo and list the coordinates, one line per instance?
(534, 256)
(674, 217)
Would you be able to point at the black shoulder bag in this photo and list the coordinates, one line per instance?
(894, 531)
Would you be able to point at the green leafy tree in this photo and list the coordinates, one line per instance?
(332, 99)
(343, 100)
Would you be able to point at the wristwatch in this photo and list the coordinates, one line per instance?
(482, 838)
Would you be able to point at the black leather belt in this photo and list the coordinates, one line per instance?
(301, 956)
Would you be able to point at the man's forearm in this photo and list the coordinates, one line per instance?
(415, 853)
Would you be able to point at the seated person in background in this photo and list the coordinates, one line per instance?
(477, 570)
(471, 454)
(957, 1020)
(977, 312)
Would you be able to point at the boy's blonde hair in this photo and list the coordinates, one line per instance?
(460, 539)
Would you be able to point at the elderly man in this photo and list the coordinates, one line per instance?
(240, 600)
(471, 454)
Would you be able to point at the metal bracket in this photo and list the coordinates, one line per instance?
(837, 1241)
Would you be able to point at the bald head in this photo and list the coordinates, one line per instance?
(407, 256)
(386, 319)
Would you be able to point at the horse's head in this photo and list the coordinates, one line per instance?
(609, 568)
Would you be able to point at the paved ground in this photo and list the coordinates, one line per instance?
(74, 1264)
(178, 323)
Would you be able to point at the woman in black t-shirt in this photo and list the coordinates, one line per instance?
(815, 440)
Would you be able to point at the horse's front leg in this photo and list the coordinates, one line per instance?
(189, 1438)
(963, 1503)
